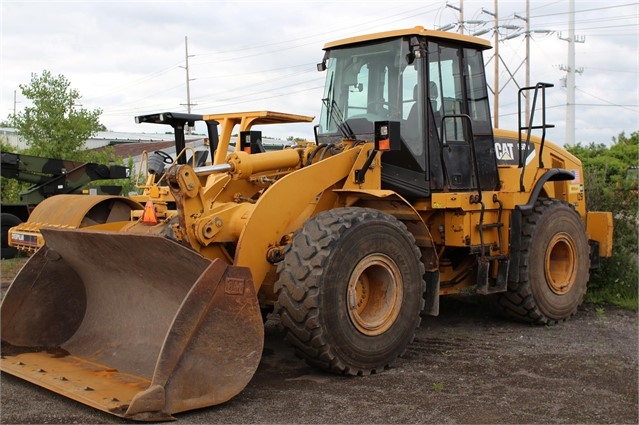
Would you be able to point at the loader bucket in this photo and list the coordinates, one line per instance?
(135, 325)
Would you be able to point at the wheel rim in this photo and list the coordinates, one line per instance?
(561, 264)
(375, 292)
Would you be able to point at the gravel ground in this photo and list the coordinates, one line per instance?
(469, 365)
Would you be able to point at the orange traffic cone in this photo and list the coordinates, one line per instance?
(148, 216)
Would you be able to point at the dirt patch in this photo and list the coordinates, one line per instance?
(9, 269)
(469, 365)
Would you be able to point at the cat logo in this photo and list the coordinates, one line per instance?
(504, 151)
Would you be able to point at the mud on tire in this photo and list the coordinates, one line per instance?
(554, 265)
(350, 290)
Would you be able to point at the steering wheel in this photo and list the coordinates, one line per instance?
(377, 102)
(377, 106)
(167, 159)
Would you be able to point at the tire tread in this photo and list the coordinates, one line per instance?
(298, 296)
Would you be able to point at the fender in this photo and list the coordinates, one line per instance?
(552, 175)
(394, 204)
(292, 199)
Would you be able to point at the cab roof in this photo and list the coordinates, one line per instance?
(477, 42)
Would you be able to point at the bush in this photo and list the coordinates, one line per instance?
(611, 185)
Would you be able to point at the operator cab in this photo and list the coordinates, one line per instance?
(433, 84)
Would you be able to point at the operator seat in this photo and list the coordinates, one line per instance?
(411, 125)
(410, 129)
(433, 94)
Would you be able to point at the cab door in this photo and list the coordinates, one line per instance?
(458, 98)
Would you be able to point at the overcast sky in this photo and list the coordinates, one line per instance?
(128, 57)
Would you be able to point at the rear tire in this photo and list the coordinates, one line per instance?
(554, 265)
(8, 221)
(350, 290)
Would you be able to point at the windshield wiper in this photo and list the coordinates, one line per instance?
(326, 102)
(333, 111)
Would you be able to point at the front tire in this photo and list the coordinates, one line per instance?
(7, 222)
(554, 265)
(350, 290)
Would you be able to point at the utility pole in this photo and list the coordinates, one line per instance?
(496, 105)
(527, 60)
(188, 81)
(14, 103)
(496, 90)
(527, 82)
(460, 22)
(495, 15)
(461, 16)
(570, 75)
(528, 34)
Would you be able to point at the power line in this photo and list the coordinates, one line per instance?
(610, 26)
(261, 92)
(607, 101)
(308, 65)
(585, 10)
(320, 35)
(411, 12)
(613, 104)
(133, 83)
(287, 45)
(316, 35)
(273, 96)
(625, 71)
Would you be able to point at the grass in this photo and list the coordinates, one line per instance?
(9, 268)
(616, 282)
(623, 296)
(438, 386)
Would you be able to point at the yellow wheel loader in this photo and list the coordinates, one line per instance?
(407, 194)
(50, 177)
(109, 212)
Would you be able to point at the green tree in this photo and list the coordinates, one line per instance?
(55, 125)
(611, 185)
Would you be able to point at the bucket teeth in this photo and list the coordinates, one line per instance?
(165, 331)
